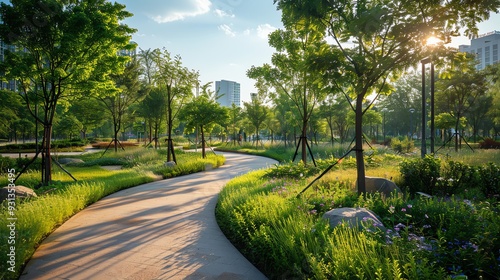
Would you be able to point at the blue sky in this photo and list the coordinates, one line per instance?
(221, 39)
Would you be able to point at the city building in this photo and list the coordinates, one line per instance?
(485, 47)
(4, 84)
(229, 93)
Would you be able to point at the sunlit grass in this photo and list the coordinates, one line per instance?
(38, 217)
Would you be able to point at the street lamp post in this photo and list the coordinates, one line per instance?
(383, 124)
(411, 122)
(433, 132)
(423, 149)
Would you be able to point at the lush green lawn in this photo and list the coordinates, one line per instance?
(38, 217)
(438, 238)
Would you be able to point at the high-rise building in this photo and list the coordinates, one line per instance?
(229, 92)
(485, 47)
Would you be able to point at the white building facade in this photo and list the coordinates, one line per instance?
(485, 47)
(229, 92)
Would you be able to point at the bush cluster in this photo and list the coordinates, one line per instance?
(402, 146)
(431, 176)
(285, 236)
(54, 144)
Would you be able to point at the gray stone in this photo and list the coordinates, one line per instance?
(209, 167)
(354, 217)
(69, 160)
(381, 185)
(21, 192)
(170, 164)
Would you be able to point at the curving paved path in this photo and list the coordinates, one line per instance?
(160, 230)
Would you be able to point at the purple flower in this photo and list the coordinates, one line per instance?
(403, 209)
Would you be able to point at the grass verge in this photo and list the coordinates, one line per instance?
(36, 218)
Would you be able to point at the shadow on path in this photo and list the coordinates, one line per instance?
(161, 230)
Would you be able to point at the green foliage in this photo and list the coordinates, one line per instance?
(406, 145)
(67, 197)
(430, 176)
(286, 237)
(420, 175)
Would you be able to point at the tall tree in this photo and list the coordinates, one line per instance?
(129, 90)
(377, 39)
(203, 112)
(64, 48)
(291, 75)
(256, 112)
(460, 86)
(153, 109)
(233, 121)
(178, 83)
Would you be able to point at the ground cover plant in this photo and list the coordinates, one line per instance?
(450, 235)
(38, 217)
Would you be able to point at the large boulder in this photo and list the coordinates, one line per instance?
(354, 217)
(381, 185)
(19, 192)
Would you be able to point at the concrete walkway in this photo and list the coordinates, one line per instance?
(161, 230)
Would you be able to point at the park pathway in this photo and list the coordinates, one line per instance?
(160, 230)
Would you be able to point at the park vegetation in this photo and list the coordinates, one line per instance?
(65, 197)
(451, 235)
(341, 81)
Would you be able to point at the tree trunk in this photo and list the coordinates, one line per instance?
(359, 145)
(46, 156)
(203, 155)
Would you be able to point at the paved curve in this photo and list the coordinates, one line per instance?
(160, 230)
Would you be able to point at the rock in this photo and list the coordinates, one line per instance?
(381, 185)
(170, 164)
(19, 192)
(354, 217)
(70, 160)
(208, 167)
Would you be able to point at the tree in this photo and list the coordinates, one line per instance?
(376, 40)
(178, 82)
(9, 112)
(460, 86)
(203, 112)
(88, 111)
(334, 110)
(291, 75)
(256, 113)
(235, 117)
(129, 90)
(152, 109)
(64, 48)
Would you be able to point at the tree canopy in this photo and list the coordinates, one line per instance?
(63, 48)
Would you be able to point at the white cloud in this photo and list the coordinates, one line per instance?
(264, 30)
(227, 30)
(182, 9)
(221, 13)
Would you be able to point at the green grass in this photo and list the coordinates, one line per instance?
(38, 217)
(285, 236)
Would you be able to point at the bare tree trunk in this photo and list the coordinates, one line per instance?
(46, 156)
(359, 146)
(203, 155)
